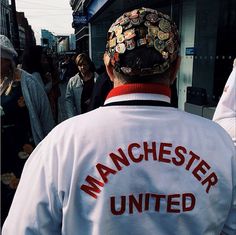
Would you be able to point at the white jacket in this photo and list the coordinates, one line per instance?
(225, 113)
(73, 95)
(129, 169)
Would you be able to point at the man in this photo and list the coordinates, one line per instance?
(136, 165)
(225, 114)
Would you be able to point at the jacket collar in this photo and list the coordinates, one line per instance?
(139, 91)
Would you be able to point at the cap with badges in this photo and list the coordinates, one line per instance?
(143, 28)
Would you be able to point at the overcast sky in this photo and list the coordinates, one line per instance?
(53, 15)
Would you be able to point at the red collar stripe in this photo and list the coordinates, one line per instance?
(153, 88)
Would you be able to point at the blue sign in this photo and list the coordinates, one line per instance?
(80, 20)
(190, 51)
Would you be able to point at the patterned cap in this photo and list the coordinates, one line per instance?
(133, 33)
(7, 49)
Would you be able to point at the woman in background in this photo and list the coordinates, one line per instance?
(79, 88)
(26, 119)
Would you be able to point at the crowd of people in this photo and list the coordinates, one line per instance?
(30, 90)
(136, 165)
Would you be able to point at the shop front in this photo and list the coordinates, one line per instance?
(208, 34)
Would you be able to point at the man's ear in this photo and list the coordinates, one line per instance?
(175, 69)
(109, 67)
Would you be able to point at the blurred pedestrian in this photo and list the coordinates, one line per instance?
(68, 68)
(25, 120)
(101, 88)
(225, 113)
(79, 88)
(51, 71)
(32, 63)
(137, 165)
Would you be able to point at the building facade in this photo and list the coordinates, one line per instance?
(22, 37)
(80, 24)
(208, 36)
(15, 26)
(63, 44)
(72, 42)
(48, 40)
(26, 34)
(6, 27)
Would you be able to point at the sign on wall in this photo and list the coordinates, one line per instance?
(79, 19)
(190, 51)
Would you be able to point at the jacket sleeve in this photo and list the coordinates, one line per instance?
(69, 100)
(225, 113)
(37, 205)
(40, 112)
(230, 224)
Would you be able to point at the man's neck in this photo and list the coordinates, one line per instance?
(118, 82)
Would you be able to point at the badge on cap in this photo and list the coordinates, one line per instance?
(162, 36)
(130, 44)
(129, 34)
(118, 30)
(120, 38)
(153, 31)
(147, 23)
(141, 41)
(135, 21)
(165, 25)
(112, 42)
(120, 48)
(152, 17)
(165, 55)
(159, 45)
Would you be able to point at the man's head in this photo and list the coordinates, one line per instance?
(142, 46)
